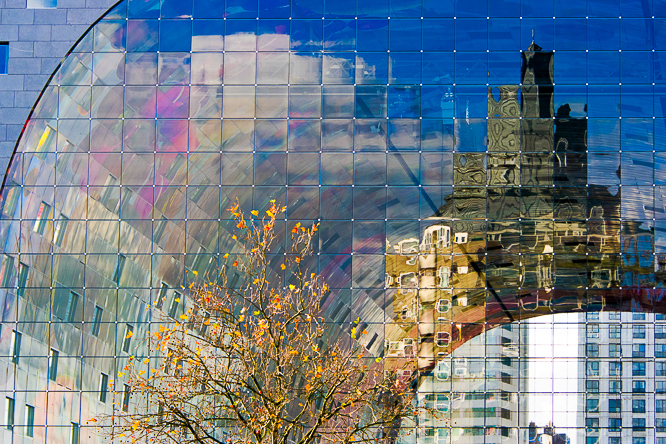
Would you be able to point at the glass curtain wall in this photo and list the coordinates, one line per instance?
(489, 180)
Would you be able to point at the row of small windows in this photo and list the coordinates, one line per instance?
(615, 425)
(637, 405)
(615, 350)
(616, 316)
(615, 368)
(618, 440)
(638, 331)
(615, 386)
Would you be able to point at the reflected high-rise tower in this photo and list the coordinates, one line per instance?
(486, 256)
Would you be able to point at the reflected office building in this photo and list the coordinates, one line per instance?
(491, 209)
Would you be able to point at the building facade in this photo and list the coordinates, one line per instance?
(471, 166)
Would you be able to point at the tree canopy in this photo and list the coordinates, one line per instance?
(253, 359)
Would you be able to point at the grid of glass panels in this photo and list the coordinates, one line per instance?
(471, 165)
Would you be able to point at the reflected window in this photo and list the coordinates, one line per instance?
(614, 424)
(638, 406)
(638, 386)
(127, 337)
(161, 297)
(615, 386)
(22, 279)
(592, 386)
(638, 424)
(9, 413)
(638, 369)
(42, 217)
(593, 368)
(16, 346)
(103, 386)
(615, 331)
(592, 316)
(53, 364)
(443, 305)
(97, 321)
(120, 265)
(460, 238)
(13, 191)
(614, 350)
(638, 331)
(660, 368)
(59, 233)
(173, 308)
(660, 386)
(29, 420)
(592, 425)
(74, 433)
(6, 271)
(660, 405)
(126, 398)
(660, 331)
(592, 405)
(593, 331)
(615, 405)
(614, 316)
(72, 302)
(660, 423)
(638, 316)
(443, 275)
(592, 350)
(638, 351)
(615, 368)
(639, 439)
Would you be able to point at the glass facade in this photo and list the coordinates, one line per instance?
(472, 165)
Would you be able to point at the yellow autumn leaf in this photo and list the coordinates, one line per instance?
(283, 266)
(195, 272)
(129, 334)
(183, 317)
(270, 213)
(255, 213)
(177, 299)
(378, 359)
(291, 286)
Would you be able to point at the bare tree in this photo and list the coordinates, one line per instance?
(255, 362)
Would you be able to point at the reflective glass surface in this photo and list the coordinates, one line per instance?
(489, 179)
